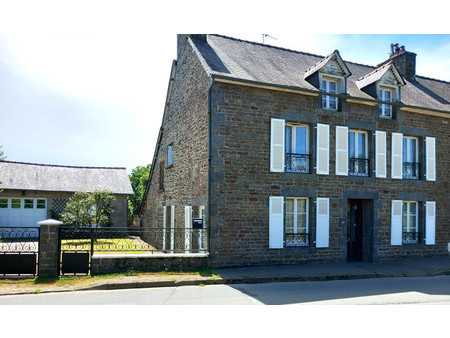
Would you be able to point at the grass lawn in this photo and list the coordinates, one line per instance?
(109, 245)
(39, 284)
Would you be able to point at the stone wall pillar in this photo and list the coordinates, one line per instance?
(48, 248)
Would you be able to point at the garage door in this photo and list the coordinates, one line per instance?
(22, 212)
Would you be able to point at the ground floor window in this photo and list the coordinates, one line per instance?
(296, 231)
(410, 222)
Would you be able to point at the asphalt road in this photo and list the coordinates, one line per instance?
(409, 290)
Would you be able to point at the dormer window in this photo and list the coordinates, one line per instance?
(385, 94)
(383, 84)
(329, 76)
(329, 85)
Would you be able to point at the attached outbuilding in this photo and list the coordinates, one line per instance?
(31, 192)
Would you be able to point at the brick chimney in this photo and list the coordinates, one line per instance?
(404, 61)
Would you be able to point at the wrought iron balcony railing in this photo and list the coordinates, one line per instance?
(411, 170)
(411, 237)
(359, 167)
(298, 239)
(298, 163)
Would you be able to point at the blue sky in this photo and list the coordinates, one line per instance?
(86, 84)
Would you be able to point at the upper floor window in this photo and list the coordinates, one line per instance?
(358, 153)
(170, 155)
(329, 86)
(410, 222)
(161, 176)
(297, 148)
(296, 222)
(411, 164)
(385, 94)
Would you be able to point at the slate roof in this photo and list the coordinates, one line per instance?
(225, 57)
(44, 177)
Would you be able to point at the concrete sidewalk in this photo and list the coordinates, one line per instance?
(261, 274)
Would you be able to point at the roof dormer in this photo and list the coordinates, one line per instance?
(329, 76)
(383, 84)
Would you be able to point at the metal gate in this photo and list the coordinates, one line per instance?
(75, 250)
(19, 251)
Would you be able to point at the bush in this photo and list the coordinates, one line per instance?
(89, 208)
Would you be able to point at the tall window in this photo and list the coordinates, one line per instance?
(410, 157)
(161, 176)
(410, 222)
(359, 157)
(170, 155)
(329, 86)
(297, 148)
(296, 222)
(385, 94)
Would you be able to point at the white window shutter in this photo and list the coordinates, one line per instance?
(430, 158)
(277, 153)
(276, 222)
(341, 151)
(397, 156)
(172, 227)
(396, 222)
(430, 223)
(323, 149)
(380, 154)
(164, 226)
(322, 222)
(187, 227)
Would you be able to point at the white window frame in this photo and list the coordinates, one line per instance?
(295, 226)
(293, 141)
(356, 132)
(356, 146)
(326, 99)
(408, 227)
(170, 155)
(294, 136)
(408, 148)
(386, 108)
(406, 158)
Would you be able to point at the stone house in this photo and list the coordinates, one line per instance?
(292, 157)
(31, 192)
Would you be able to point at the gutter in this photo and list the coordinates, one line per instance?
(315, 93)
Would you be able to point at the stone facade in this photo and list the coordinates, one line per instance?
(236, 183)
(242, 181)
(185, 128)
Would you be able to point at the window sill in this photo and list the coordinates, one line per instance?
(169, 166)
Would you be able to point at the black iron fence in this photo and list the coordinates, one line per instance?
(411, 237)
(298, 163)
(297, 239)
(133, 240)
(411, 170)
(359, 167)
(19, 249)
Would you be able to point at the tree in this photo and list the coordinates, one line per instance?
(89, 208)
(138, 178)
(2, 156)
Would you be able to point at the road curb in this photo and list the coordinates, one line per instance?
(230, 280)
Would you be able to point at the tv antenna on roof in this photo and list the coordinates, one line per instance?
(267, 36)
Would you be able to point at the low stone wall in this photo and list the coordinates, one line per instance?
(104, 263)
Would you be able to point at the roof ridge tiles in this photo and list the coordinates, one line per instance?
(60, 165)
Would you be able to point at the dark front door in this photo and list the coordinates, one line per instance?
(354, 230)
